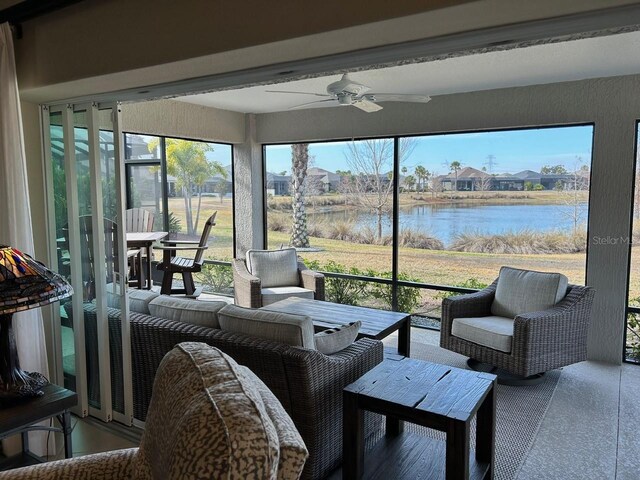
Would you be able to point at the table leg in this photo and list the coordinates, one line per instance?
(65, 423)
(404, 338)
(352, 438)
(25, 441)
(486, 431)
(149, 280)
(393, 426)
(457, 462)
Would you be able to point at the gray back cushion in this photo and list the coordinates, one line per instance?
(139, 300)
(523, 291)
(186, 310)
(294, 330)
(274, 268)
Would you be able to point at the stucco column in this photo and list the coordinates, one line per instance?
(610, 210)
(249, 190)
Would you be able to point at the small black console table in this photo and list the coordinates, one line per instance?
(21, 418)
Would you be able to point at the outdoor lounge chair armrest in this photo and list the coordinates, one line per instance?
(247, 288)
(312, 280)
(116, 464)
(476, 304)
(567, 316)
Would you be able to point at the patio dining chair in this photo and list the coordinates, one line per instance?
(171, 263)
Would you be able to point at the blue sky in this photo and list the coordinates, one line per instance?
(514, 150)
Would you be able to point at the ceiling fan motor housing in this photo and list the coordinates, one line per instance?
(345, 87)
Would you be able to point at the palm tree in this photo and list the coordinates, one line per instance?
(299, 164)
(410, 181)
(455, 167)
(421, 173)
(187, 161)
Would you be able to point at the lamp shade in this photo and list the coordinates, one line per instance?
(26, 283)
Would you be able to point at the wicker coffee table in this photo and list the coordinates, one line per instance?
(376, 324)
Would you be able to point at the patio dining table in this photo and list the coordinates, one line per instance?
(144, 240)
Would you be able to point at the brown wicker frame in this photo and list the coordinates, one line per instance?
(308, 383)
(542, 340)
(247, 289)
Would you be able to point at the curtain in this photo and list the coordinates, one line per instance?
(15, 216)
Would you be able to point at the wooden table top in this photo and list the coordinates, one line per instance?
(145, 237)
(55, 400)
(376, 324)
(431, 388)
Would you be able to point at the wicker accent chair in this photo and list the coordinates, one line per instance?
(209, 418)
(536, 341)
(287, 277)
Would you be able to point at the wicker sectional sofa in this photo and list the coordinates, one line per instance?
(308, 383)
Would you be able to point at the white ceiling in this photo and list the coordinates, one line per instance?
(549, 63)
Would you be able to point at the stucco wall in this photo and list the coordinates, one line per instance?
(179, 119)
(612, 104)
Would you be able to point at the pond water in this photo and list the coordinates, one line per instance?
(445, 221)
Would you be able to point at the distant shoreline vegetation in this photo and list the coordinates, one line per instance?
(526, 241)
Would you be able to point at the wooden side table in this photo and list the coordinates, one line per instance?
(428, 394)
(22, 417)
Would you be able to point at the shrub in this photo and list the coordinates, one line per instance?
(174, 223)
(218, 278)
(468, 283)
(522, 242)
(278, 222)
(342, 290)
(341, 230)
(412, 239)
(408, 297)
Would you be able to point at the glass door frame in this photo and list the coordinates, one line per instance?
(92, 110)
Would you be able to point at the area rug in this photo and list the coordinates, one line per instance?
(519, 412)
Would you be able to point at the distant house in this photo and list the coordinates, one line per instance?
(324, 180)
(278, 184)
(212, 186)
(471, 179)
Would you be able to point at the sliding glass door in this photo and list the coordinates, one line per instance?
(84, 170)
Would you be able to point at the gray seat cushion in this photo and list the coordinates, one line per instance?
(274, 268)
(186, 310)
(294, 330)
(493, 331)
(275, 294)
(523, 291)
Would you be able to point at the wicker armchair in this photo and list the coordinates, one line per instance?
(542, 340)
(250, 292)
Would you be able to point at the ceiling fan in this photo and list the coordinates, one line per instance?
(349, 92)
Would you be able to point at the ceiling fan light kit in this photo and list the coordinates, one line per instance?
(348, 92)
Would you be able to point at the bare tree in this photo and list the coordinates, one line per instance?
(573, 194)
(371, 163)
(483, 182)
(299, 164)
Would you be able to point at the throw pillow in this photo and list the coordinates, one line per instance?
(335, 339)
(294, 330)
(522, 291)
(274, 268)
(186, 310)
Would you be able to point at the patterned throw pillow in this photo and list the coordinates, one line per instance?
(335, 339)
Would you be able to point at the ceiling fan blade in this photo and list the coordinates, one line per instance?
(366, 105)
(303, 105)
(299, 93)
(399, 97)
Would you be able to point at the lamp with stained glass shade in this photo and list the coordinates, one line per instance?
(25, 283)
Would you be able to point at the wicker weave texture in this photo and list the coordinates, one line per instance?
(308, 384)
(542, 340)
